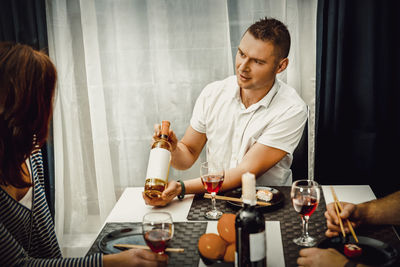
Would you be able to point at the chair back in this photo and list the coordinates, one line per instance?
(300, 155)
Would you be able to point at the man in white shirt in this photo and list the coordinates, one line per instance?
(251, 121)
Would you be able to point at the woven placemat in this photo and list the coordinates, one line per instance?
(289, 219)
(186, 235)
(291, 226)
(290, 223)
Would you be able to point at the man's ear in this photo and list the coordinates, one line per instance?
(282, 65)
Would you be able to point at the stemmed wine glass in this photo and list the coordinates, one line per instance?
(158, 229)
(212, 177)
(305, 198)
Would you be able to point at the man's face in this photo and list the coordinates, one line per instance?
(256, 63)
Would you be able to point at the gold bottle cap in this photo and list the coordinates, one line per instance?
(165, 127)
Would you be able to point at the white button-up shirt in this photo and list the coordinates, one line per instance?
(277, 120)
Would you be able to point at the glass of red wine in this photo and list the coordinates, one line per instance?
(158, 230)
(212, 177)
(305, 198)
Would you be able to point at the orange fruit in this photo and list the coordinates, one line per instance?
(226, 227)
(230, 253)
(212, 246)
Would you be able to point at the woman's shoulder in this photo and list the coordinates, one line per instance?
(37, 166)
(36, 154)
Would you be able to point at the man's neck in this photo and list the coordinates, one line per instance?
(251, 96)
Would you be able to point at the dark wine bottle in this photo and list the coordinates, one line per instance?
(251, 243)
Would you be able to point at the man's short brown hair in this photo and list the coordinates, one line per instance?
(272, 30)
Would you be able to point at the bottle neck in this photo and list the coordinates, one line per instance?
(164, 136)
(248, 204)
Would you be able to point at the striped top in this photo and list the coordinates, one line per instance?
(27, 236)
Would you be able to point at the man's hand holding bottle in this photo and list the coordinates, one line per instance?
(171, 136)
(170, 189)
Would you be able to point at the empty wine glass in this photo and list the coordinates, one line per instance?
(305, 198)
(212, 177)
(158, 230)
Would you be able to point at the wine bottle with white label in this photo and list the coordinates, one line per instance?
(159, 162)
(251, 243)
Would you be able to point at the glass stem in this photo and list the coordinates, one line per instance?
(213, 201)
(304, 219)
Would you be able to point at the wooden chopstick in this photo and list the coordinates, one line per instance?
(235, 199)
(339, 206)
(146, 247)
(340, 220)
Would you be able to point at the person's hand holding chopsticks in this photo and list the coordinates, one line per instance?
(349, 212)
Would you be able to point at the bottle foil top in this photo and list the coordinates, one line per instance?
(165, 127)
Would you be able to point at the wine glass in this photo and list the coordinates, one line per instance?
(212, 177)
(158, 229)
(305, 198)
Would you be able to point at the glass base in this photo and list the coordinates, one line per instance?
(305, 241)
(213, 214)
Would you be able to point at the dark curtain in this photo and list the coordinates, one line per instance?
(358, 94)
(24, 21)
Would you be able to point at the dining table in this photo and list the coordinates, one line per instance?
(282, 223)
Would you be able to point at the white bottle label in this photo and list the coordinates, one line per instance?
(257, 246)
(158, 166)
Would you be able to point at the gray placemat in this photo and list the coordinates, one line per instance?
(186, 235)
(291, 226)
(290, 220)
(290, 223)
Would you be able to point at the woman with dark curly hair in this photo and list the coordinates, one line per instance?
(27, 236)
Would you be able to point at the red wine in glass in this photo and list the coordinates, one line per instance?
(212, 183)
(305, 197)
(212, 176)
(305, 205)
(158, 230)
(157, 240)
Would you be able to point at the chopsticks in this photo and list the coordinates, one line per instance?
(178, 250)
(338, 208)
(340, 219)
(235, 199)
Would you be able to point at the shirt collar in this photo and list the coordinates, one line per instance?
(265, 101)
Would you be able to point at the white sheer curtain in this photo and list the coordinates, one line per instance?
(125, 65)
